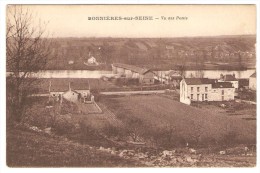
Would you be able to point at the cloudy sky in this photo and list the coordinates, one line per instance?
(201, 20)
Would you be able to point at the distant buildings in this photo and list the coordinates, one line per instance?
(204, 89)
(92, 61)
(70, 62)
(252, 82)
(174, 78)
(144, 75)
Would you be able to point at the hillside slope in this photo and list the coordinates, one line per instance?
(30, 149)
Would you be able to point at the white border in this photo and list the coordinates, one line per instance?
(4, 168)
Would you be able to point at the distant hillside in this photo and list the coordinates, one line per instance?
(222, 52)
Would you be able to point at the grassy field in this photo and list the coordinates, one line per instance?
(191, 123)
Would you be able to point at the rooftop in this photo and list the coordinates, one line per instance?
(222, 85)
(131, 67)
(198, 81)
(229, 77)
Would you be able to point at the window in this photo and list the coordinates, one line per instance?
(191, 89)
(191, 96)
(202, 97)
(222, 92)
(206, 96)
(198, 97)
(198, 89)
(206, 89)
(222, 98)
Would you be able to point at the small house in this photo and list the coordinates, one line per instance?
(92, 60)
(69, 89)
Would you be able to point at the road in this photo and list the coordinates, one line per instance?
(133, 92)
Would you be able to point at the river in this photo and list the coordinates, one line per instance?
(214, 74)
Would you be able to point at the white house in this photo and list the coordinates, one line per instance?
(92, 60)
(252, 82)
(72, 90)
(204, 89)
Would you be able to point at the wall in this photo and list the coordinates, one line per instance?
(147, 78)
(252, 83)
(184, 93)
(216, 94)
(202, 91)
(135, 75)
(120, 71)
(128, 73)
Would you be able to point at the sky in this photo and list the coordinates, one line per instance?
(199, 20)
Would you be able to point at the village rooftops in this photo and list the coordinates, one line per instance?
(131, 67)
(222, 85)
(253, 75)
(198, 81)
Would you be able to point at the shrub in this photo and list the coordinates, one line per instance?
(68, 107)
(63, 125)
(38, 116)
(112, 131)
(87, 132)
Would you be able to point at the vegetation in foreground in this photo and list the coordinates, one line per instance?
(124, 132)
(26, 148)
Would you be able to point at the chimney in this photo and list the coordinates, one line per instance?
(221, 76)
(69, 87)
(50, 87)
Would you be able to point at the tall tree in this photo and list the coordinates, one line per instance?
(27, 51)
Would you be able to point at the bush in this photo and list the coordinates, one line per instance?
(68, 107)
(87, 132)
(38, 116)
(62, 125)
(112, 131)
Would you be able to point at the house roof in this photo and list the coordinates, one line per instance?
(198, 81)
(132, 68)
(253, 75)
(222, 85)
(230, 77)
(62, 85)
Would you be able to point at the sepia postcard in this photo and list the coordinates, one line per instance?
(131, 86)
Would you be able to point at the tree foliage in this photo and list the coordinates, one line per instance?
(27, 52)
